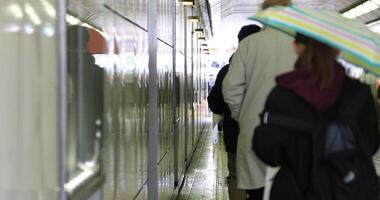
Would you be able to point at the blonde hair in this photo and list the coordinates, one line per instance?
(270, 3)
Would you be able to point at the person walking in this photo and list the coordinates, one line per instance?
(256, 62)
(318, 89)
(230, 126)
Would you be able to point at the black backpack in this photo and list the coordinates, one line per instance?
(342, 167)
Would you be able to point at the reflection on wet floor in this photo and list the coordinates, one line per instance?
(208, 169)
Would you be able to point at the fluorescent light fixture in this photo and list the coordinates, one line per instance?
(356, 11)
(375, 26)
(72, 20)
(199, 31)
(201, 38)
(376, 2)
(187, 2)
(194, 19)
(16, 10)
(370, 5)
(362, 9)
(78, 180)
(349, 14)
(32, 14)
(49, 9)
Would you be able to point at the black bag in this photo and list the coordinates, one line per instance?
(342, 167)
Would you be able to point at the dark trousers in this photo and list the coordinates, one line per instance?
(256, 194)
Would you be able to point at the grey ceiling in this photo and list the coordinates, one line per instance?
(227, 15)
(226, 12)
(231, 7)
(230, 15)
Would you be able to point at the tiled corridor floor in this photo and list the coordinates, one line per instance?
(208, 169)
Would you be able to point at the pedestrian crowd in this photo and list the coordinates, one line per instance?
(295, 125)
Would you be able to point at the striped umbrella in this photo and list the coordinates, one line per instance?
(358, 44)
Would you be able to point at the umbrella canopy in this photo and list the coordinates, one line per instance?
(358, 44)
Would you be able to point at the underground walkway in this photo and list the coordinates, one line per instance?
(208, 169)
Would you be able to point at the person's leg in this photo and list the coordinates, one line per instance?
(256, 194)
(220, 125)
(233, 192)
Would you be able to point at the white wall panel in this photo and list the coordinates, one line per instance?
(28, 117)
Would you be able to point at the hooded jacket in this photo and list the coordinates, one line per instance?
(296, 94)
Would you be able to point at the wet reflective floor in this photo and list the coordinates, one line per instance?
(208, 169)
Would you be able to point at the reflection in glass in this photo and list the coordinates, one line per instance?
(85, 108)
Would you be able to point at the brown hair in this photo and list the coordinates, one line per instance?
(320, 58)
(270, 3)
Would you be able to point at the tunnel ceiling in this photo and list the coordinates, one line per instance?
(249, 7)
(228, 16)
(227, 11)
(231, 15)
(231, 12)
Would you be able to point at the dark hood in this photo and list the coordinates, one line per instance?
(301, 82)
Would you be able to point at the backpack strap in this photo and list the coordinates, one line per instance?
(287, 121)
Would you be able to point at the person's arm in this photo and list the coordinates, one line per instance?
(270, 141)
(234, 82)
(215, 98)
(369, 123)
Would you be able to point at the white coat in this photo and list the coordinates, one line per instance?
(258, 60)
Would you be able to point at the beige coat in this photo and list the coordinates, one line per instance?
(257, 61)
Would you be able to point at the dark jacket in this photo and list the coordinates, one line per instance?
(218, 106)
(279, 146)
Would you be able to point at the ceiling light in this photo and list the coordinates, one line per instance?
(376, 2)
(72, 20)
(29, 10)
(194, 19)
(187, 2)
(49, 8)
(370, 5)
(350, 14)
(364, 8)
(198, 30)
(16, 10)
(356, 12)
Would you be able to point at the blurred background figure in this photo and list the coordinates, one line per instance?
(85, 96)
(229, 126)
(256, 62)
